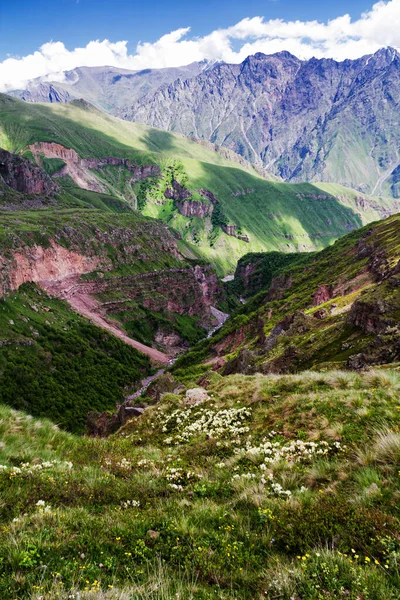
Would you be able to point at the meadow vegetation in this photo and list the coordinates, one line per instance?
(272, 215)
(280, 486)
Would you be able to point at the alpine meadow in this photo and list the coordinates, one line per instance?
(199, 301)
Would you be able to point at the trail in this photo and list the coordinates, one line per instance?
(382, 179)
(68, 289)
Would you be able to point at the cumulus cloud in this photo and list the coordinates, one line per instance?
(339, 38)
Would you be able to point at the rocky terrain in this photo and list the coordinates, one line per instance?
(333, 309)
(108, 88)
(224, 209)
(316, 120)
(23, 176)
(113, 271)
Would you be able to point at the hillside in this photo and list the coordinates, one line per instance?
(313, 120)
(334, 309)
(81, 291)
(224, 209)
(303, 120)
(242, 496)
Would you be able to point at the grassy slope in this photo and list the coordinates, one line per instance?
(94, 232)
(54, 363)
(213, 511)
(270, 213)
(328, 341)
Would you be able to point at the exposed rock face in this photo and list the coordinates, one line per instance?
(79, 168)
(36, 263)
(285, 114)
(209, 283)
(323, 294)
(109, 88)
(189, 291)
(209, 195)
(177, 192)
(193, 208)
(232, 231)
(170, 342)
(23, 176)
(370, 316)
(45, 92)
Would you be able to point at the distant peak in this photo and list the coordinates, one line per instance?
(283, 55)
(387, 51)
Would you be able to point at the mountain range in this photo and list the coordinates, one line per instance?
(199, 338)
(223, 209)
(314, 120)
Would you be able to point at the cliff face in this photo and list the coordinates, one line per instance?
(193, 208)
(23, 176)
(79, 168)
(37, 263)
(131, 266)
(296, 118)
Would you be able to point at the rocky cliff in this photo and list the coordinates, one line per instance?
(103, 265)
(23, 176)
(79, 169)
(296, 118)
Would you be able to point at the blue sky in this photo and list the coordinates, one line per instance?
(27, 24)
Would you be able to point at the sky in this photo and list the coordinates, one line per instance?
(40, 38)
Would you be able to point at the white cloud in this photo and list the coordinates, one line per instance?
(339, 38)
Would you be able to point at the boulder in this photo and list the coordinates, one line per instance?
(196, 396)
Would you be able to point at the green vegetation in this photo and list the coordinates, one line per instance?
(274, 216)
(318, 311)
(273, 487)
(95, 233)
(56, 364)
(142, 324)
(257, 486)
(262, 268)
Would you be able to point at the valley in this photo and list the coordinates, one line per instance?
(302, 120)
(199, 332)
(223, 209)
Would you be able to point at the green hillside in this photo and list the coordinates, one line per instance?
(55, 364)
(333, 309)
(268, 214)
(241, 497)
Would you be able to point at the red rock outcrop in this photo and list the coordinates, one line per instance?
(323, 294)
(79, 168)
(36, 263)
(23, 176)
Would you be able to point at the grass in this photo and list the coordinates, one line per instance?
(360, 272)
(275, 216)
(262, 491)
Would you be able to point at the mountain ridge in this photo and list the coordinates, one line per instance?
(223, 209)
(303, 120)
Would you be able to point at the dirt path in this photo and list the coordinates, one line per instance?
(378, 186)
(69, 290)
